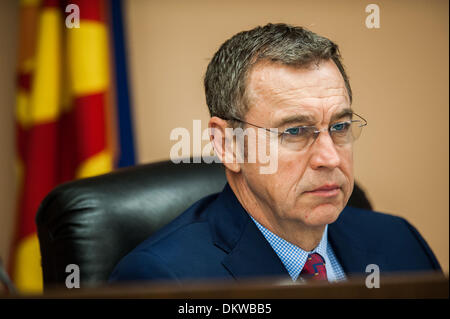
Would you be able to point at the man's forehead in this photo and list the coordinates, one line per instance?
(277, 80)
(280, 89)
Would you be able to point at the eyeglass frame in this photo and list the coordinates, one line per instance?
(316, 132)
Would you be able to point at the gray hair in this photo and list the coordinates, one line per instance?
(226, 76)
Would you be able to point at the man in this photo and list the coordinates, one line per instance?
(290, 86)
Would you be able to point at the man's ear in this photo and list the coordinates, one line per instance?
(223, 143)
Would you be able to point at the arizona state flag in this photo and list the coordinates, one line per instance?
(66, 111)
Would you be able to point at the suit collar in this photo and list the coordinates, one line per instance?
(249, 253)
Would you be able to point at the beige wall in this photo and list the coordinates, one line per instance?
(399, 75)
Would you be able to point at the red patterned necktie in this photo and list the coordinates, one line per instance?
(314, 268)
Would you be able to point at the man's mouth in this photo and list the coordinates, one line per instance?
(327, 190)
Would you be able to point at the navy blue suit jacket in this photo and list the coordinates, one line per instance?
(215, 238)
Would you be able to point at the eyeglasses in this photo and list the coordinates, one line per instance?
(300, 137)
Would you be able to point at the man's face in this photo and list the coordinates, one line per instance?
(311, 185)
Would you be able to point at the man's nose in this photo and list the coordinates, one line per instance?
(324, 152)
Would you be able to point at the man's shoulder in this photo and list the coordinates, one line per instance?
(181, 230)
(372, 224)
(354, 216)
(186, 239)
(387, 234)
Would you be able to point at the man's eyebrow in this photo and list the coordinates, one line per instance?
(343, 113)
(309, 119)
(295, 118)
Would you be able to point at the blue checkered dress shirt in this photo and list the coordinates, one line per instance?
(294, 258)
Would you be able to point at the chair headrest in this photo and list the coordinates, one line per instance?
(94, 222)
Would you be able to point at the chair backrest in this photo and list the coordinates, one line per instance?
(94, 222)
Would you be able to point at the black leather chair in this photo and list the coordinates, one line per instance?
(94, 222)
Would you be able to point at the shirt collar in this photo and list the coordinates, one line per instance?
(292, 256)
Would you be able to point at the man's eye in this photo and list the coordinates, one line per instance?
(296, 131)
(340, 126)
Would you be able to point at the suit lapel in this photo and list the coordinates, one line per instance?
(351, 252)
(253, 256)
(249, 253)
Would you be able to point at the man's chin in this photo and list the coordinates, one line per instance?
(322, 215)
